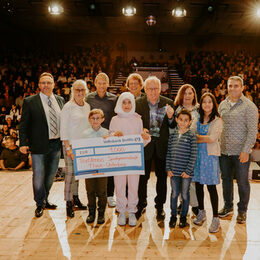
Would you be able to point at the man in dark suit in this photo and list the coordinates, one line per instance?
(157, 115)
(40, 133)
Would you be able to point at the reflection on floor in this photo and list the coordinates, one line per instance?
(52, 236)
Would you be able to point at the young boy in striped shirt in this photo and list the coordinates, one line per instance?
(180, 160)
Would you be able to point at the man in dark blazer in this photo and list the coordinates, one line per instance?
(157, 115)
(39, 133)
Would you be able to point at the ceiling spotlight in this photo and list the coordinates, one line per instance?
(150, 21)
(258, 12)
(129, 11)
(179, 12)
(55, 9)
(92, 6)
(210, 8)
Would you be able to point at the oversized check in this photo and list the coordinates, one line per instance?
(98, 157)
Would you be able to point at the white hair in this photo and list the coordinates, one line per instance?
(78, 82)
(154, 79)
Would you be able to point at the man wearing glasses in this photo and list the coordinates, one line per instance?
(40, 133)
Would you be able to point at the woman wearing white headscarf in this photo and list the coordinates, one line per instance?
(127, 122)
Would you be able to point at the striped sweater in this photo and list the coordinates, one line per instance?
(181, 154)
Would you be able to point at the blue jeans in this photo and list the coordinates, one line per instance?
(180, 185)
(44, 168)
(230, 166)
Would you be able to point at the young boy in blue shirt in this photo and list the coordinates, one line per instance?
(180, 160)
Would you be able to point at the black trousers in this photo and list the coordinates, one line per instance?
(110, 186)
(161, 184)
(213, 197)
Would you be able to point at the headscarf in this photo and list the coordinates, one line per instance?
(118, 108)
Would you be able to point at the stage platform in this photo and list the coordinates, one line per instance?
(22, 236)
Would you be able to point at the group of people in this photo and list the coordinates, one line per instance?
(183, 138)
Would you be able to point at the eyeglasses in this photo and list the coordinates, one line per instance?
(95, 118)
(80, 90)
(152, 89)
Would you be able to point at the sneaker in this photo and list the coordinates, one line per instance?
(183, 222)
(201, 217)
(225, 212)
(121, 219)
(215, 225)
(241, 217)
(173, 221)
(111, 202)
(132, 219)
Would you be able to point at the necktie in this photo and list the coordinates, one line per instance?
(53, 119)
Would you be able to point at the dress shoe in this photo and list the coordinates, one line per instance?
(77, 203)
(38, 211)
(173, 221)
(160, 216)
(49, 205)
(69, 209)
(101, 217)
(140, 212)
(91, 216)
(183, 222)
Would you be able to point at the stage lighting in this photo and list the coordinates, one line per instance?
(179, 12)
(129, 11)
(55, 9)
(210, 8)
(258, 12)
(150, 21)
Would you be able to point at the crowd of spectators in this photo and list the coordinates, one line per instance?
(209, 72)
(206, 71)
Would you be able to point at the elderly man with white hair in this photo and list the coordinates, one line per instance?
(157, 114)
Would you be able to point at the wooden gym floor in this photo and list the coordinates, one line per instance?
(52, 236)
